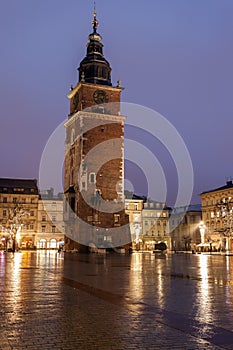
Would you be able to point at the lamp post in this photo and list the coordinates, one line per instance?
(4, 242)
(202, 228)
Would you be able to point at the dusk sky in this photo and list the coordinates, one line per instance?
(173, 56)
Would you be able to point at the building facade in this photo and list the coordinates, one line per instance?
(94, 211)
(18, 196)
(27, 221)
(134, 207)
(217, 213)
(185, 228)
(50, 224)
(155, 225)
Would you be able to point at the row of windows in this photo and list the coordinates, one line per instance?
(43, 228)
(31, 213)
(217, 214)
(153, 222)
(158, 233)
(132, 206)
(158, 214)
(5, 189)
(43, 218)
(215, 201)
(18, 200)
(4, 212)
(154, 205)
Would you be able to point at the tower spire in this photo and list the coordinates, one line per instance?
(94, 68)
(95, 21)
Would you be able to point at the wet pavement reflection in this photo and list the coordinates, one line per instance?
(139, 301)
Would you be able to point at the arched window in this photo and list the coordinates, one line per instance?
(52, 243)
(42, 244)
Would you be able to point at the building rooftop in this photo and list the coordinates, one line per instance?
(228, 185)
(187, 208)
(18, 186)
(131, 195)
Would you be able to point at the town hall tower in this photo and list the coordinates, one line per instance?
(94, 211)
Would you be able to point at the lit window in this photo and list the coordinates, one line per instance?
(116, 219)
(212, 214)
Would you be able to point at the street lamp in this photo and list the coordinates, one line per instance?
(4, 242)
(202, 228)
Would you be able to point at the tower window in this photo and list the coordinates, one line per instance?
(72, 203)
(92, 178)
(72, 138)
(116, 219)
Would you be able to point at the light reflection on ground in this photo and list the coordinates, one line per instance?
(150, 301)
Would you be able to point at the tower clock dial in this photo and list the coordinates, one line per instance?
(100, 96)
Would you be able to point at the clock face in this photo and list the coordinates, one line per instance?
(100, 96)
(75, 101)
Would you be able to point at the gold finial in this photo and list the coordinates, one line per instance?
(95, 21)
(94, 9)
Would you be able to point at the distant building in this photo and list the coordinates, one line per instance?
(42, 225)
(217, 213)
(50, 225)
(155, 225)
(134, 207)
(21, 193)
(184, 227)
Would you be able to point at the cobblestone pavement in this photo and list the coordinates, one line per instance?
(90, 302)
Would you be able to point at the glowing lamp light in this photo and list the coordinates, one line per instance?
(202, 228)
